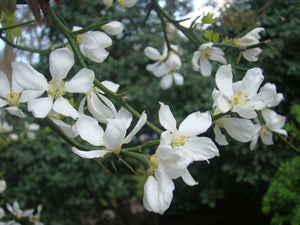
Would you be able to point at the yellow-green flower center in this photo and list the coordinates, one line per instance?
(56, 88)
(205, 53)
(264, 131)
(154, 161)
(239, 98)
(178, 140)
(79, 38)
(13, 98)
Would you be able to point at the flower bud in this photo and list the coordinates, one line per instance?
(2, 186)
(113, 28)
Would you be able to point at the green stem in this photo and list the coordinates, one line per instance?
(34, 50)
(143, 146)
(137, 156)
(284, 139)
(70, 36)
(16, 25)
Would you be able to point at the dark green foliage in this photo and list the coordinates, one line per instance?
(282, 197)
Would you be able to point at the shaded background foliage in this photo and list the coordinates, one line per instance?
(231, 187)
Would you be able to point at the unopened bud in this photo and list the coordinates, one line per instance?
(113, 28)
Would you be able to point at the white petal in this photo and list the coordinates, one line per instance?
(89, 130)
(90, 154)
(252, 81)
(178, 78)
(195, 123)
(152, 53)
(136, 129)
(220, 138)
(201, 148)
(111, 85)
(246, 111)
(158, 193)
(28, 77)
(96, 54)
(28, 95)
(252, 54)
(69, 130)
(267, 139)
(242, 130)
(62, 106)
(124, 115)
(114, 134)
(40, 107)
(3, 102)
(253, 143)
(188, 179)
(158, 69)
(166, 82)
(4, 85)
(195, 60)
(224, 80)
(205, 67)
(82, 82)
(166, 118)
(113, 28)
(222, 104)
(61, 61)
(173, 62)
(14, 110)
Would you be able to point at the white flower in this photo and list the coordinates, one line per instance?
(272, 123)
(108, 3)
(114, 136)
(113, 28)
(5, 127)
(270, 90)
(2, 186)
(183, 143)
(207, 51)
(99, 106)
(242, 130)
(250, 38)
(35, 219)
(158, 193)
(61, 61)
(92, 44)
(30, 130)
(165, 68)
(13, 95)
(240, 97)
(15, 210)
(127, 3)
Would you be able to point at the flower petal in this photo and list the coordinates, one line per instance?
(69, 130)
(166, 82)
(114, 134)
(61, 61)
(89, 130)
(14, 110)
(188, 179)
(62, 106)
(220, 138)
(242, 130)
(166, 118)
(136, 129)
(152, 53)
(40, 107)
(4, 85)
(28, 95)
(28, 77)
(195, 123)
(252, 81)
(201, 148)
(82, 82)
(205, 67)
(90, 154)
(195, 60)
(224, 80)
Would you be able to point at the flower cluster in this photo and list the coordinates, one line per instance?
(19, 214)
(81, 107)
